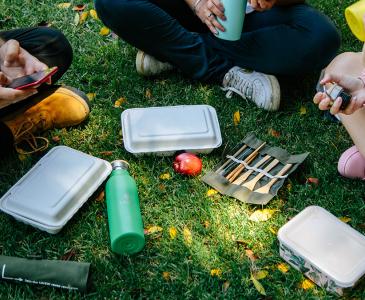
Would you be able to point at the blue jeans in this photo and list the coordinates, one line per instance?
(286, 40)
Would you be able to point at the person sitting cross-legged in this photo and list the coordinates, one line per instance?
(279, 38)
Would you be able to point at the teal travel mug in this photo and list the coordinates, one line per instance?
(234, 11)
(124, 214)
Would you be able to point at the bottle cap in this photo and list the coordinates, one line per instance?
(120, 164)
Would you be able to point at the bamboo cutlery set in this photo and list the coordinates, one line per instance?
(255, 172)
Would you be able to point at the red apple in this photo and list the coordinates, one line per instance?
(188, 164)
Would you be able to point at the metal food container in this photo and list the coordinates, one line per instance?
(327, 250)
(165, 130)
(50, 193)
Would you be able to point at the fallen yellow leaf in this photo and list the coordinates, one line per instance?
(236, 118)
(283, 267)
(273, 230)
(104, 31)
(206, 224)
(94, 14)
(211, 192)
(216, 272)
(166, 276)
(307, 284)
(345, 219)
(302, 110)
(91, 96)
(165, 176)
(187, 236)
(262, 215)
(173, 233)
(119, 102)
(153, 229)
(83, 17)
(148, 94)
(64, 5)
(260, 274)
(258, 285)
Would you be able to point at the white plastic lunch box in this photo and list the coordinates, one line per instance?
(327, 250)
(50, 193)
(165, 130)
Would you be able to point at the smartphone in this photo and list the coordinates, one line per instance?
(31, 80)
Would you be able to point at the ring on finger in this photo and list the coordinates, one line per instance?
(211, 14)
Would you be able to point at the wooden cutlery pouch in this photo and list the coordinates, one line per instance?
(254, 171)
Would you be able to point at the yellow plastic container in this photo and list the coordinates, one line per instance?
(354, 16)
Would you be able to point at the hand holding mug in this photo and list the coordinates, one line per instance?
(208, 11)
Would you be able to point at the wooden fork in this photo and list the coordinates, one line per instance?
(266, 188)
(245, 175)
(251, 184)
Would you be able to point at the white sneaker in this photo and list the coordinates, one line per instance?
(262, 89)
(147, 65)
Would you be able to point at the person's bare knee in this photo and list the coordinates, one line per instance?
(355, 124)
(350, 63)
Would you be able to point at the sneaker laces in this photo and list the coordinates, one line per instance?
(24, 135)
(245, 87)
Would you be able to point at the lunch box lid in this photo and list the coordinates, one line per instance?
(170, 128)
(50, 193)
(329, 244)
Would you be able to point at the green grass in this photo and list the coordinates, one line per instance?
(105, 66)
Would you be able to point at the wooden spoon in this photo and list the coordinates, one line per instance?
(266, 188)
(251, 184)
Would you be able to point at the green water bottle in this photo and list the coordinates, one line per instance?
(124, 214)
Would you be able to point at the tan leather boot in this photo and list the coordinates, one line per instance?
(64, 107)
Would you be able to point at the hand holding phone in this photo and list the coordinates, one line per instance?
(32, 80)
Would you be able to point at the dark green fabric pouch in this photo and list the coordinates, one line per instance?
(218, 178)
(54, 273)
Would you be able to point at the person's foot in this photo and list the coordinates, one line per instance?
(147, 65)
(352, 164)
(63, 107)
(260, 88)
